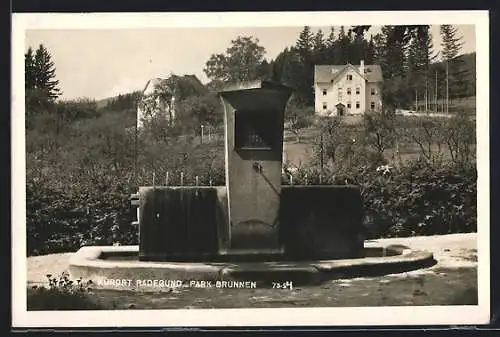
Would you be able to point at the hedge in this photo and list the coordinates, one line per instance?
(413, 200)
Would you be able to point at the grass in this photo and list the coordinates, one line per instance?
(41, 298)
(300, 153)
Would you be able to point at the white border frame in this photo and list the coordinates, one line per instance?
(413, 315)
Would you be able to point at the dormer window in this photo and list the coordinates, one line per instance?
(349, 77)
(331, 81)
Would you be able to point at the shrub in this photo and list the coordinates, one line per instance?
(62, 294)
(420, 200)
(298, 118)
(77, 190)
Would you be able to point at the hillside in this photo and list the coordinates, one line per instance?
(102, 103)
(186, 86)
(466, 64)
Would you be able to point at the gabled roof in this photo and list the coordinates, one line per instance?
(326, 73)
(373, 73)
(151, 85)
(347, 66)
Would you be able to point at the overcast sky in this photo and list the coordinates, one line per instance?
(99, 63)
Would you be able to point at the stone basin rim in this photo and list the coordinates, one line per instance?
(87, 265)
(89, 257)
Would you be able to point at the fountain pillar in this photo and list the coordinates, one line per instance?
(254, 123)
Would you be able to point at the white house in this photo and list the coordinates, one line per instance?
(347, 89)
(156, 100)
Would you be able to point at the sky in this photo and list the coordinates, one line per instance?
(100, 63)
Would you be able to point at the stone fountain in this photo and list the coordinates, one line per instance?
(253, 225)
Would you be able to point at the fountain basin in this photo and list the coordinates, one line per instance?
(110, 266)
(313, 222)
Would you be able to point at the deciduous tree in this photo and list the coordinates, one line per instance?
(239, 63)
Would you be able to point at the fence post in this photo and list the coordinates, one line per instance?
(89, 223)
(321, 151)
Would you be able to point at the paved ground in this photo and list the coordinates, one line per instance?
(453, 280)
(450, 251)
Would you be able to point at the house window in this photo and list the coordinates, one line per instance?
(331, 81)
(324, 92)
(372, 105)
(348, 91)
(372, 91)
(348, 105)
(357, 105)
(324, 106)
(349, 77)
(357, 91)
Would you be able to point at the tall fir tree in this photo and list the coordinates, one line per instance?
(45, 74)
(451, 42)
(292, 74)
(341, 50)
(304, 47)
(419, 58)
(29, 69)
(41, 87)
(319, 48)
(379, 50)
(451, 45)
(305, 42)
(330, 40)
(369, 55)
(331, 44)
(390, 53)
(395, 50)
